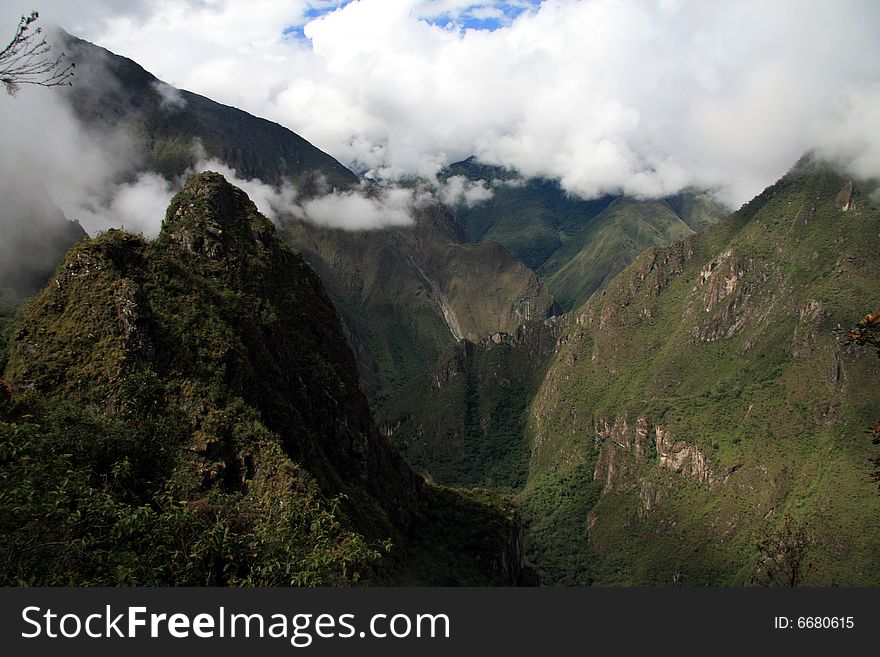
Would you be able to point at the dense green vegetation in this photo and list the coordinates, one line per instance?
(469, 521)
(463, 422)
(78, 507)
(729, 345)
(187, 411)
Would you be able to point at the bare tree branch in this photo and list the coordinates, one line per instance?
(26, 60)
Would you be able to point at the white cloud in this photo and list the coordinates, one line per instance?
(47, 154)
(170, 98)
(458, 190)
(272, 201)
(370, 206)
(356, 210)
(485, 13)
(603, 95)
(49, 158)
(842, 134)
(138, 206)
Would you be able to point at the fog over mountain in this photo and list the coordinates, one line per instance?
(97, 173)
(645, 98)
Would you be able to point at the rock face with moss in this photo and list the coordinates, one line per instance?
(707, 399)
(201, 391)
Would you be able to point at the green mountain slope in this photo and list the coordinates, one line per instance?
(613, 240)
(576, 246)
(187, 411)
(706, 400)
(532, 218)
(462, 421)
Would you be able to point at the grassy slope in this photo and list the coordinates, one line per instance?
(778, 398)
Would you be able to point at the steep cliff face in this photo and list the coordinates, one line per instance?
(708, 393)
(629, 452)
(214, 372)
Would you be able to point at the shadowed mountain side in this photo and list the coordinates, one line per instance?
(34, 238)
(462, 422)
(166, 123)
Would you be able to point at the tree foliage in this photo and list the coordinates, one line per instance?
(26, 59)
(784, 555)
(867, 333)
(74, 516)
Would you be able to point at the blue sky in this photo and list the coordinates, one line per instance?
(459, 16)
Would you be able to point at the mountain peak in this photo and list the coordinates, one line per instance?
(214, 227)
(209, 202)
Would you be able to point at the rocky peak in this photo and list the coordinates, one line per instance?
(214, 227)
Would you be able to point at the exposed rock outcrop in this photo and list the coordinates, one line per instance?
(731, 293)
(626, 447)
(681, 456)
(844, 200)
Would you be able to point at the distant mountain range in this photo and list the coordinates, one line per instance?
(576, 246)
